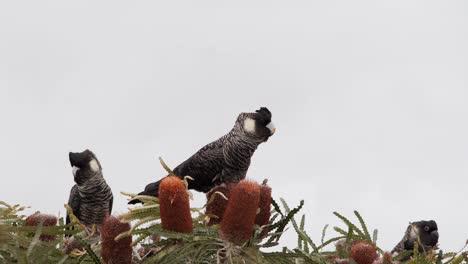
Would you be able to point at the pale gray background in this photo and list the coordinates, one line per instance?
(369, 98)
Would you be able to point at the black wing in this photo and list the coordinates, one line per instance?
(151, 189)
(204, 166)
(74, 203)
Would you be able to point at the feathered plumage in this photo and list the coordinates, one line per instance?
(423, 233)
(227, 159)
(90, 198)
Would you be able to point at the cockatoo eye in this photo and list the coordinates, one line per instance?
(426, 228)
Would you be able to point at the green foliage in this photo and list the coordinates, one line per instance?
(204, 244)
(22, 244)
(360, 232)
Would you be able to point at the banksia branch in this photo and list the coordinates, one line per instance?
(385, 259)
(363, 252)
(174, 206)
(112, 251)
(71, 244)
(263, 217)
(217, 203)
(239, 217)
(47, 220)
(342, 248)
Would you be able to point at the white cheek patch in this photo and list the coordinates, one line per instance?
(249, 125)
(272, 127)
(75, 170)
(93, 164)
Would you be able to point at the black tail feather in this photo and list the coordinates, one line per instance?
(151, 189)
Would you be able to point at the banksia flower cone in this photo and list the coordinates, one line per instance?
(115, 252)
(174, 206)
(216, 203)
(48, 220)
(239, 217)
(363, 252)
(263, 218)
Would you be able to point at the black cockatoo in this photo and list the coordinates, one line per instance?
(90, 198)
(423, 233)
(227, 159)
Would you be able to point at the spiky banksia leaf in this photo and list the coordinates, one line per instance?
(363, 252)
(47, 220)
(174, 206)
(239, 218)
(217, 203)
(112, 251)
(263, 217)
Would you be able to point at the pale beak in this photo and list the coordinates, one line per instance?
(74, 170)
(272, 127)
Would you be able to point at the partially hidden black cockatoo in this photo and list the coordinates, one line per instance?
(227, 159)
(423, 233)
(90, 198)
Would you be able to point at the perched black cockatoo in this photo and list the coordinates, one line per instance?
(423, 233)
(90, 198)
(227, 159)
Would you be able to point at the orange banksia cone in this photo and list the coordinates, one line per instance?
(263, 217)
(174, 206)
(239, 217)
(216, 203)
(115, 252)
(48, 220)
(363, 252)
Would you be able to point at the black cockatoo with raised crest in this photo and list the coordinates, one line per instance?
(227, 159)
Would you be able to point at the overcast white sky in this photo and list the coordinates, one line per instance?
(369, 98)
